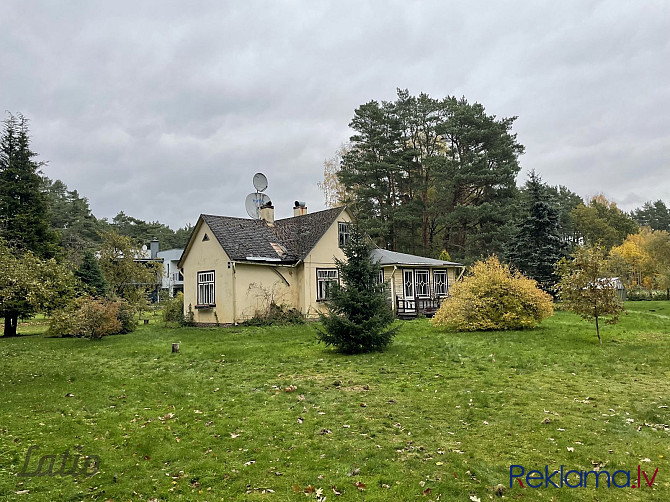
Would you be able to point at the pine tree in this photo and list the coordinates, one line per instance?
(91, 276)
(359, 315)
(537, 246)
(24, 221)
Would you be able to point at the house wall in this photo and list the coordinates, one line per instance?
(202, 257)
(322, 256)
(397, 286)
(258, 285)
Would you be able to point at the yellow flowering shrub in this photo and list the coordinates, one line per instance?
(493, 297)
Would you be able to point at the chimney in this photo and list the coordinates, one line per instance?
(153, 246)
(299, 208)
(268, 213)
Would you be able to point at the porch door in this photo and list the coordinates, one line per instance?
(408, 290)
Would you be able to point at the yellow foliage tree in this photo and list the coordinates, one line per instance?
(637, 270)
(493, 297)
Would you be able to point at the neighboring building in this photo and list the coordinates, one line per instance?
(172, 280)
(233, 267)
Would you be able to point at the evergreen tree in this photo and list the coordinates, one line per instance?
(24, 220)
(359, 315)
(91, 276)
(537, 246)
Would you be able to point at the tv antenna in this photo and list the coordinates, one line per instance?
(256, 200)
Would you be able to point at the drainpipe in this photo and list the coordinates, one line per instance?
(234, 297)
(393, 298)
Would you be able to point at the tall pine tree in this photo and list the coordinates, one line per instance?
(24, 221)
(537, 246)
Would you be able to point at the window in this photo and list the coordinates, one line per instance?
(324, 278)
(422, 283)
(342, 233)
(380, 279)
(440, 282)
(206, 288)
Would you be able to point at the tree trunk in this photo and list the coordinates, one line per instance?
(11, 322)
(598, 332)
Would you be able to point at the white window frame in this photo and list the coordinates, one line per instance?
(422, 290)
(205, 288)
(342, 233)
(440, 287)
(324, 276)
(380, 279)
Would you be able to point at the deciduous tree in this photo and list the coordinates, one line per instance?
(29, 285)
(585, 289)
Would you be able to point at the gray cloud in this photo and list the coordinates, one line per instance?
(165, 109)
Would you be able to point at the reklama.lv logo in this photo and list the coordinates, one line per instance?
(577, 479)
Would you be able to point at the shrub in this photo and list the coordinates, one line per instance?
(87, 317)
(173, 309)
(127, 317)
(493, 297)
(276, 315)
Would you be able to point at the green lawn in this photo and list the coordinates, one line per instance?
(437, 416)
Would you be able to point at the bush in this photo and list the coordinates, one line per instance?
(91, 318)
(277, 315)
(87, 317)
(173, 310)
(127, 317)
(493, 297)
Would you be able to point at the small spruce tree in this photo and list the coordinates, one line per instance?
(91, 276)
(359, 317)
(537, 246)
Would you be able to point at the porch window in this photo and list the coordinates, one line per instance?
(440, 282)
(422, 283)
(342, 233)
(206, 288)
(325, 277)
(380, 279)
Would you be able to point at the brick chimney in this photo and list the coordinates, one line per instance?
(299, 208)
(268, 213)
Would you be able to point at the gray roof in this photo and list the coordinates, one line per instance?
(170, 254)
(288, 241)
(385, 257)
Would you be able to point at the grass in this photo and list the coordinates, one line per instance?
(439, 416)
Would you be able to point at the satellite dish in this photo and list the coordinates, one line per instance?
(260, 182)
(254, 202)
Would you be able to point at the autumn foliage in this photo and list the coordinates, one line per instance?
(493, 297)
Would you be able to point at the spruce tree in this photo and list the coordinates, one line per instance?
(91, 276)
(537, 246)
(24, 221)
(359, 316)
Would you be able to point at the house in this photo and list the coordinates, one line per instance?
(172, 280)
(418, 285)
(234, 267)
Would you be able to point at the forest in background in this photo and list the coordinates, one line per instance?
(425, 176)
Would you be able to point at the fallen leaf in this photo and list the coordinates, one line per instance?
(360, 486)
(474, 498)
(335, 490)
(427, 492)
(310, 489)
(296, 488)
(571, 449)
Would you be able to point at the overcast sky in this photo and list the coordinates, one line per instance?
(165, 110)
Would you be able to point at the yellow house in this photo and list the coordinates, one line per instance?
(235, 267)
